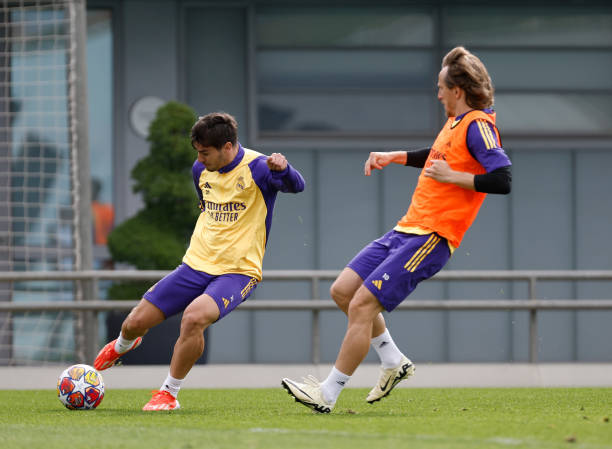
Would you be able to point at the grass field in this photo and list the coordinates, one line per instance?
(269, 418)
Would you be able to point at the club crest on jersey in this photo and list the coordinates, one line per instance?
(240, 183)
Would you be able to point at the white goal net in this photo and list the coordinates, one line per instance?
(42, 189)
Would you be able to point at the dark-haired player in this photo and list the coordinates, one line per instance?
(237, 188)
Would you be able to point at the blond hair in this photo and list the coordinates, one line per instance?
(468, 72)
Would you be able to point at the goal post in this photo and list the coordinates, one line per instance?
(86, 325)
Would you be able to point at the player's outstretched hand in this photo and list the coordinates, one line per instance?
(277, 162)
(377, 160)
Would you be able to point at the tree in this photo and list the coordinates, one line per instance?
(157, 236)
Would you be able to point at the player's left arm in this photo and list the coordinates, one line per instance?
(485, 147)
(283, 176)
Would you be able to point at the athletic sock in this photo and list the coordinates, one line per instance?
(389, 354)
(122, 344)
(172, 385)
(333, 385)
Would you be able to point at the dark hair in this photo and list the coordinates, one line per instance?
(215, 130)
(468, 72)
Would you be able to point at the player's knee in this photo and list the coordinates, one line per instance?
(355, 308)
(135, 323)
(193, 322)
(340, 294)
(363, 308)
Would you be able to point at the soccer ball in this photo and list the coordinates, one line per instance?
(80, 387)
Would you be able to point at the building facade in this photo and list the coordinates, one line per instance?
(327, 82)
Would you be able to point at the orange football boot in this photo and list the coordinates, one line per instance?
(107, 356)
(161, 400)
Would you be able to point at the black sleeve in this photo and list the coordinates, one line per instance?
(417, 158)
(497, 181)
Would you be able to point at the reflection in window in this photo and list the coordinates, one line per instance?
(343, 27)
(525, 27)
(345, 113)
(41, 214)
(355, 71)
(36, 212)
(359, 71)
(568, 113)
(548, 69)
(100, 96)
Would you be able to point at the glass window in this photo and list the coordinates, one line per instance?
(343, 27)
(344, 69)
(336, 113)
(552, 69)
(100, 99)
(527, 27)
(38, 122)
(327, 71)
(562, 114)
(35, 164)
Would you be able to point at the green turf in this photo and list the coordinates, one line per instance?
(269, 418)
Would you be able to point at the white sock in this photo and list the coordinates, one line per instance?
(122, 344)
(389, 354)
(172, 385)
(333, 385)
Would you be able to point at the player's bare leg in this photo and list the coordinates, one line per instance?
(321, 396)
(142, 317)
(354, 300)
(200, 314)
(363, 310)
(395, 366)
(342, 292)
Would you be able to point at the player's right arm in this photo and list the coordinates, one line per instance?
(378, 160)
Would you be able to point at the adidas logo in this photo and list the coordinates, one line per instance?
(207, 185)
(225, 302)
(377, 284)
(340, 382)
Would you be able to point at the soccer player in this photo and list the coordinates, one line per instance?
(237, 188)
(465, 162)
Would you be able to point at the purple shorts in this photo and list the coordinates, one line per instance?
(177, 290)
(393, 265)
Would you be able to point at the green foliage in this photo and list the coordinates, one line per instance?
(157, 236)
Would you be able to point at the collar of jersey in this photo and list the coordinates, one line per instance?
(458, 119)
(235, 162)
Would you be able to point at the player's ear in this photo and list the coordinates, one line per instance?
(458, 92)
(228, 146)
